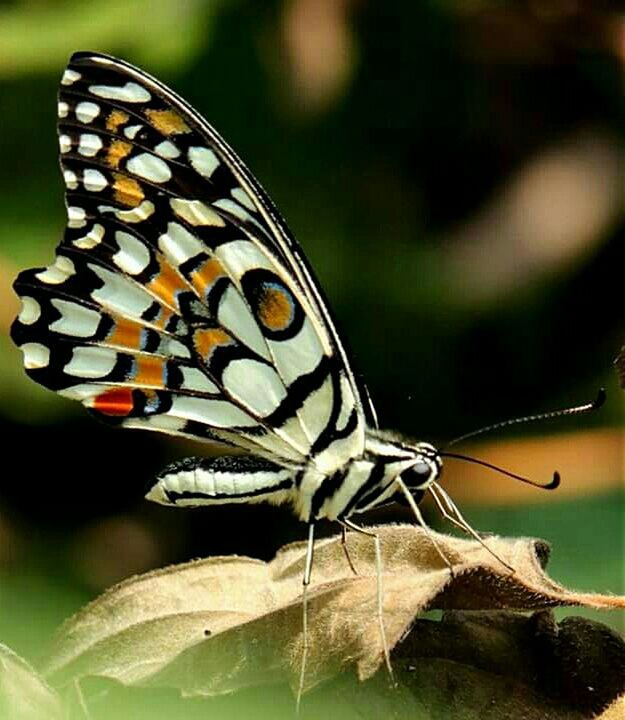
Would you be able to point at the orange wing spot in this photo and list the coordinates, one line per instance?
(126, 333)
(117, 401)
(167, 284)
(116, 152)
(127, 191)
(275, 308)
(115, 119)
(167, 122)
(207, 339)
(203, 278)
(149, 371)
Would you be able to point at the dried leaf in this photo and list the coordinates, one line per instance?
(489, 665)
(213, 626)
(616, 711)
(24, 695)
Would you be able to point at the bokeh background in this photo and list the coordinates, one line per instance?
(454, 171)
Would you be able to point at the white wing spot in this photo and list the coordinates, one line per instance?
(239, 256)
(94, 180)
(235, 316)
(170, 425)
(62, 109)
(178, 244)
(89, 144)
(194, 379)
(315, 412)
(76, 216)
(70, 77)
(235, 209)
(203, 161)
(149, 167)
(138, 214)
(87, 112)
(131, 131)
(298, 355)
(71, 181)
(243, 198)
(65, 143)
(91, 362)
(167, 149)
(75, 320)
(61, 269)
(256, 385)
(195, 212)
(120, 293)
(175, 347)
(30, 312)
(36, 355)
(133, 256)
(91, 239)
(218, 413)
(84, 393)
(130, 92)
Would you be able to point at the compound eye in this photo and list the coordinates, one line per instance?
(418, 475)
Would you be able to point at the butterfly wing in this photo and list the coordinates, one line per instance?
(178, 300)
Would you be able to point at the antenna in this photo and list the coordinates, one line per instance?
(578, 410)
(551, 485)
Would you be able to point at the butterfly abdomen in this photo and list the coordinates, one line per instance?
(220, 480)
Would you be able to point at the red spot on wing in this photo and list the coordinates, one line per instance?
(117, 401)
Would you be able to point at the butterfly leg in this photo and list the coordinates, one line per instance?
(449, 510)
(305, 583)
(417, 513)
(346, 549)
(346, 523)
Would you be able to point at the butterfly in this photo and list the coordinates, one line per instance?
(180, 302)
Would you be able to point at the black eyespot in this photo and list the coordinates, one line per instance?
(418, 475)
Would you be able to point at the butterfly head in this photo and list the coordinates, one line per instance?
(425, 470)
(416, 464)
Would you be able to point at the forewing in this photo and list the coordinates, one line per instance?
(177, 300)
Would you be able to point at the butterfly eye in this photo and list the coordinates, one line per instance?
(418, 476)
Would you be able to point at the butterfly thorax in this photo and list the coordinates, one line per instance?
(364, 483)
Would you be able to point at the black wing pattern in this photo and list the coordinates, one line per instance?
(178, 300)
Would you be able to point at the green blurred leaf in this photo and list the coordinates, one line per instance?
(24, 695)
(35, 36)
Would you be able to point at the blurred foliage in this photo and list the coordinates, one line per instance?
(426, 155)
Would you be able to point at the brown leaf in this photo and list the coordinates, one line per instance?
(213, 626)
(490, 665)
(24, 695)
(616, 711)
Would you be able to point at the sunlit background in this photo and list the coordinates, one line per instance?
(453, 170)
